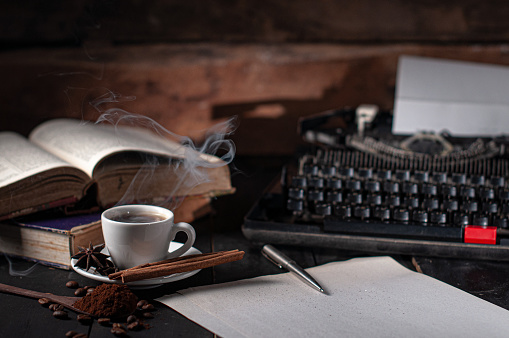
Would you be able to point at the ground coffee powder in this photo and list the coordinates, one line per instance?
(108, 300)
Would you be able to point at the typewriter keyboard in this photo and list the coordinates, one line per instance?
(356, 193)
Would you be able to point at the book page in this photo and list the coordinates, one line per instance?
(85, 144)
(20, 159)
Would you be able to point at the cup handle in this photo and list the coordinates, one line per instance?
(191, 237)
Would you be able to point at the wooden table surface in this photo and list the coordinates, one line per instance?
(24, 317)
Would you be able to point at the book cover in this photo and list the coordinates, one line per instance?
(50, 240)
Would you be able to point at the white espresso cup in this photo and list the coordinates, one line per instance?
(138, 234)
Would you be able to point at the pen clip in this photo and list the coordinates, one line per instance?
(272, 260)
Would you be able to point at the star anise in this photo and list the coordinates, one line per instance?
(92, 257)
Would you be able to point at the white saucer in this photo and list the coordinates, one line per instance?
(146, 283)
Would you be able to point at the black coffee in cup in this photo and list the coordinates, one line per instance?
(137, 217)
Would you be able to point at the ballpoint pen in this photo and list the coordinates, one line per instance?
(284, 262)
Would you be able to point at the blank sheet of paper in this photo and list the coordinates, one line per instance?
(367, 297)
(463, 98)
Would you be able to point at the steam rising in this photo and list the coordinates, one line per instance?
(18, 273)
(191, 169)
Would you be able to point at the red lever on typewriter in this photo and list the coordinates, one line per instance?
(480, 234)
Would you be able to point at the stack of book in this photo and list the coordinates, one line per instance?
(81, 168)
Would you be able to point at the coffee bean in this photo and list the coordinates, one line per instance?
(118, 325)
(56, 307)
(131, 319)
(44, 302)
(90, 290)
(148, 315)
(148, 307)
(135, 326)
(84, 319)
(72, 284)
(103, 321)
(80, 292)
(119, 332)
(141, 303)
(74, 334)
(80, 335)
(60, 314)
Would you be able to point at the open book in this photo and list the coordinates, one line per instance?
(65, 160)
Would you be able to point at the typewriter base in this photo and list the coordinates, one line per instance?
(265, 224)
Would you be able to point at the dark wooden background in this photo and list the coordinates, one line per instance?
(191, 64)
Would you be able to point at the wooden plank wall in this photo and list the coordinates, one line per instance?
(191, 64)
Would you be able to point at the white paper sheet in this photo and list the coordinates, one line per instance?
(367, 297)
(463, 98)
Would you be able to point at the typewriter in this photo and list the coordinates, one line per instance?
(356, 186)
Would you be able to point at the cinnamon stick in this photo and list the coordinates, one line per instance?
(183, 264)
(191, 258)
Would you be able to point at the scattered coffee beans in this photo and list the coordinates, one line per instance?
(148, 307)
(84, 319)
(148, 315)
(44, 302)
(104, 321)
(139, 309)
(56, 307)
(131, 318)
(80, 335)
(119, 330)
(72, 284)
(60, 314)
(135, 326)
(74, 334)
(80, 292)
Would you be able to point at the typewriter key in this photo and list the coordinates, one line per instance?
(421, 176)
(420, 216)
(401, 215)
